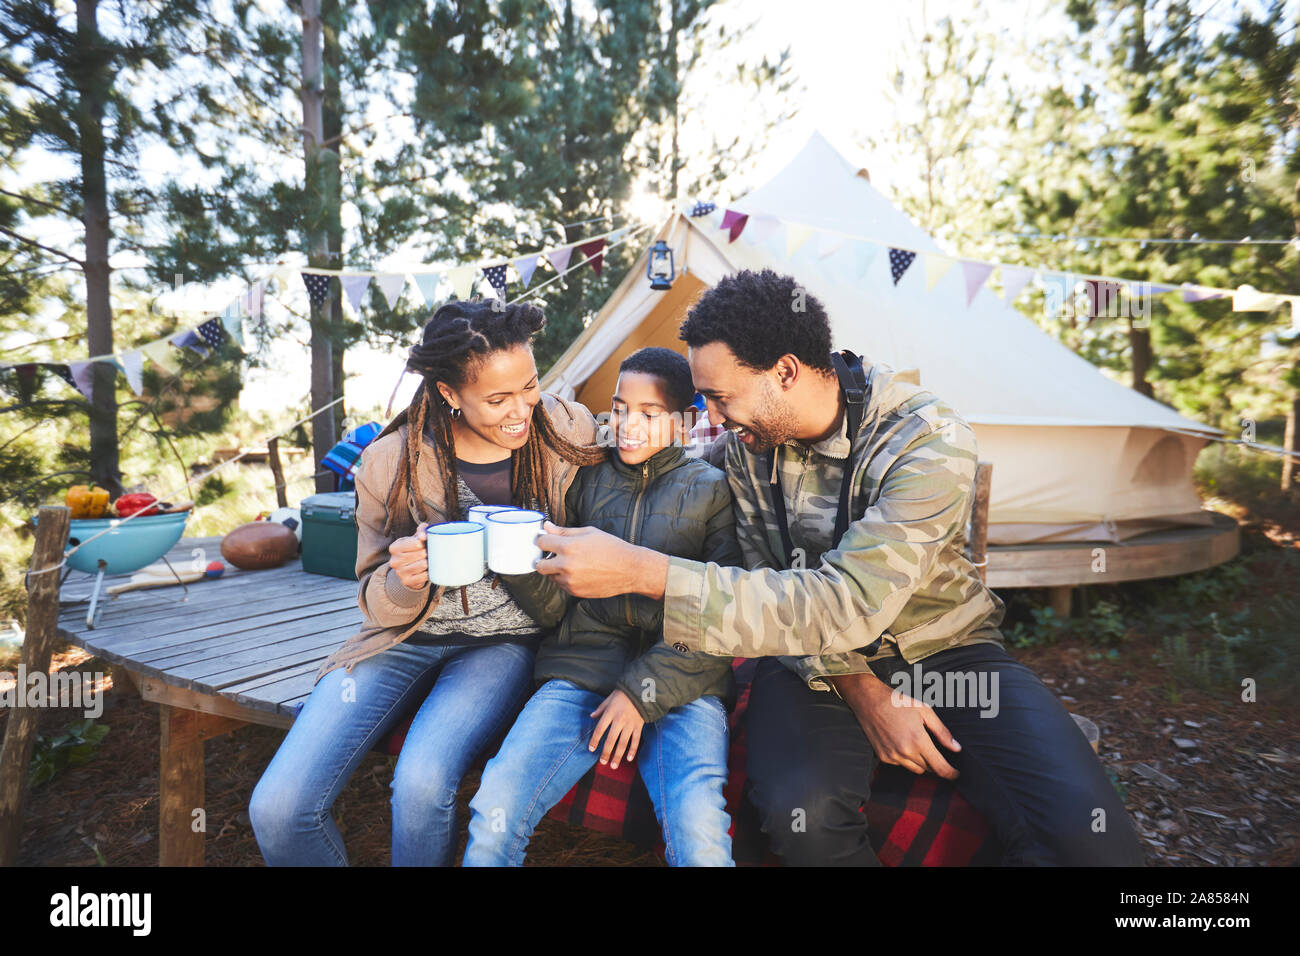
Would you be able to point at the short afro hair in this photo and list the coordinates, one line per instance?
(761, 316)
(672, 370)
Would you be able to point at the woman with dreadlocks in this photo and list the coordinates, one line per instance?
(478, 431)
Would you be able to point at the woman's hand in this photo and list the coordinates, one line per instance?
(409, 559)
(620, 717)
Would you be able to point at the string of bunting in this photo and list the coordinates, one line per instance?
(429, 280)
(788, 238)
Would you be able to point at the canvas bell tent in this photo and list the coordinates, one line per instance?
(1076, 456)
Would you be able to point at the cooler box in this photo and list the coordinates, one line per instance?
(329, 534)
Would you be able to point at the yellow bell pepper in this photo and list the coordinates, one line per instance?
(87, 501)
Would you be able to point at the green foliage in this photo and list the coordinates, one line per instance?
(75, 746)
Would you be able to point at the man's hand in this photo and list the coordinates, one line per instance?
(620, 717)
(898, 733)
(589, 563)
(408, 558)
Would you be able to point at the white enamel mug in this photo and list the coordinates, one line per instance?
(512, 537)
(455, 553)
(479, 513)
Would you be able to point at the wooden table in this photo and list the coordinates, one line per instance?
(240, 649)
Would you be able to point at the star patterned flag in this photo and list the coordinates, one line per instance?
(702, 208)
(318, 287)
(187, 339)
(496, 275)
(63, 372)
(211, 332)
(899, 260)
(592, 250)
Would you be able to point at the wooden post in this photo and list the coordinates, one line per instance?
(181, 788)
(979, 518)
(277, 472)
(1059, 599)
(42, 627)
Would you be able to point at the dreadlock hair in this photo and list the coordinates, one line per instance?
(456, 341)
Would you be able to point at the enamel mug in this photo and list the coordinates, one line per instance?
(512, 537)
(455, 553)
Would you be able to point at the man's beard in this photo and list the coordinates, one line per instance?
(774, 423)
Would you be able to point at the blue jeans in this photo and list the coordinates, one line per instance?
(682, 759)
(470, 695)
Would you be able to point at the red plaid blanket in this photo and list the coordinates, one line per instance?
(912, 820)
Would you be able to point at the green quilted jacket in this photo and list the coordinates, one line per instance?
(672, 503)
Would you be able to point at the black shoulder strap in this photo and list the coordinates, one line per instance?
(853, 385)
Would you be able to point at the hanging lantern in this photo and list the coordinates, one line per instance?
(659, 267)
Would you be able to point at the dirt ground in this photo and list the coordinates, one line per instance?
(1230, 798)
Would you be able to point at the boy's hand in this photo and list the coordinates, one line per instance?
(620, 717)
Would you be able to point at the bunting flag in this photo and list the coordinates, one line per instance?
(83, 377)
(617, 235)
(526, 267)
(391, 284)
(187, 339)
(63, 372)
(1057, 287)
(254, 301)
(864, 254)
(462, 281)
(233, 320)
(734, 222)
(133, 368)
(427, 283)
(1193, 293)
(211, 332)
(701, 208)
(318, 287)
(761, 228)
(559, 258)
(899, 260)
(976, 274)
(594, 251)
(1249, 299)
(1014, 280)
(496, 276)
(160, 354)
(795, 237)
(354, 287)
(1101, 297)
(936, 267)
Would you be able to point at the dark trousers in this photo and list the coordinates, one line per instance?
(1028, 769)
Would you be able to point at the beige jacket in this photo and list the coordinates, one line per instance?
(391, 610)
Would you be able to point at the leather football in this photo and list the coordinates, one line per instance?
(259, 545)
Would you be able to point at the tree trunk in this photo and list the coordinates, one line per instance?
(332, 126)
(674, 68)
(1289, 441)
(91, 88)
(1139, 340)
(322, 354)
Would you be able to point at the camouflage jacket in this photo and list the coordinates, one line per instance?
(900, 572)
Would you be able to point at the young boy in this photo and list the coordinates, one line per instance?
(610, 687)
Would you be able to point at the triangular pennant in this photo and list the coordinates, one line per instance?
(1249, 299)
(526, 266)
(795, 236)
(427, 283)
(936, 267)
(1014, 280)
(1103, 298)
(976, 274)
(63, 372)
(133, 368)
(864, 253)
(160, 354)
(318, 287)
(233, 321)
(83, 376)
(188, 339)
(899, 260)
(391, 284)
(559, 258)
(255, 298)
(760, 228)
(593, 251)
(1057, 287)
(354, 287)
(1157, 288)
(496, 276)
(462, 281)
(211, 332)
(1193, 293)
(734, 222)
